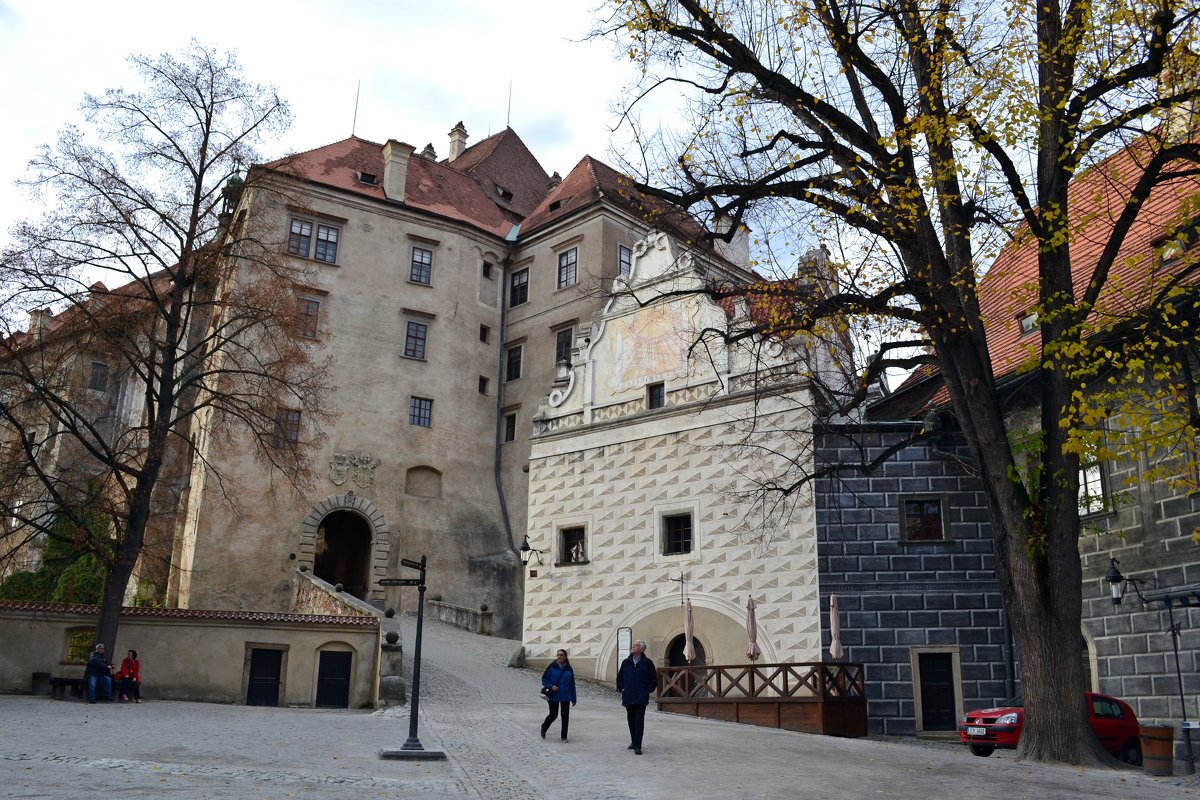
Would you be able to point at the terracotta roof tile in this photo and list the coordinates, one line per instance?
(503, 162)
(365, 621)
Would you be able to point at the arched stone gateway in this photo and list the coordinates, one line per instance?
(345, 539)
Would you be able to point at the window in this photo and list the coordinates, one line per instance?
(98, 376)
(624, 260)
(1091, 488)
(483, 384)
(572, 546)
(518, 288)
(562, 345)
(287, 428)
(566, 267)
(512, 363)
(414, 340)
(921, 519)
(484, 333)
(300, 240)
(308, 314)
(510, 427)
(1028, 323)
(422, 265)
(1177, 243)
(420, 412)
(486, 270)
(1107, 709)
(367, 178)
(656, 396)
(677, 534)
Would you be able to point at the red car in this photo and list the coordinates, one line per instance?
(1112, 720)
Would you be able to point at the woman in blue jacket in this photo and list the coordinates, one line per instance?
(558, 687)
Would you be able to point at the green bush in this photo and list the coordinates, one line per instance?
(82, 582)
(31, 586)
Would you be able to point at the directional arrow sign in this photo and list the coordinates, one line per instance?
(414, 564)
(399, 581)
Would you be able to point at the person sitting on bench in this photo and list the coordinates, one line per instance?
(99, 670)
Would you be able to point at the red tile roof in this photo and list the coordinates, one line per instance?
(1096, 198)
(365, 621)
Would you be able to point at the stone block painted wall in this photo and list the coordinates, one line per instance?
(895, 597)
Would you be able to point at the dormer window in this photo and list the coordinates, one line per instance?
(1172, 248)
(368, 178)
(505, 194)
(1028, 323)
(556, 205)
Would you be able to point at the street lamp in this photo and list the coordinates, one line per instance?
(1117, 584)
(528, 552)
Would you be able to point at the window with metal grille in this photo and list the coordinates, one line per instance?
(512, 366)
(308, 315)
(566, 267)
(677, 534)
(572, 546)
(656, 396)
(420, 411)
(518, 288)
(287, 428)
(921, 519)
(421, 270)
(414, 339)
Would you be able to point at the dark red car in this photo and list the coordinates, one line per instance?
(1112, 720)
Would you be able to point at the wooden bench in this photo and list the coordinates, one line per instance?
(59, 687)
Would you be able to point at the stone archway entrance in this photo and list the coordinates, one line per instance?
(343, 552)
(345, 539)
(675, 653)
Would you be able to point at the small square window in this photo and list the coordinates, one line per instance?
(414, 340)
(567, 263)
(510, 427)
(327, 243)
(562, 346)
(518, 288)
(572, 544)
(512, 365)
(921, 519)
(486, 270)
(677, 534)
(308, 315)
(483, 384)
(420, 412)
(287, 428)
(1028, 323)
(367, 178)
(656, 396)
(98, 376)
(421, 270)
(624, 260)
(484, 333)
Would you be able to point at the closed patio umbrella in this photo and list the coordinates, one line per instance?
(835, 629)
(752, 651)
(689, 650)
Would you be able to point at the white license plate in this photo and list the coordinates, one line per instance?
(976, 731)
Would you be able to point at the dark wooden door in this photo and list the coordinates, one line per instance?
(263, 689)
(333, 680)
(937, 691)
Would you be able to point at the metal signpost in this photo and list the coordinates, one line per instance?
(412, 749)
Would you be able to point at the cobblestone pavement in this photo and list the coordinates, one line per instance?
(485, 717)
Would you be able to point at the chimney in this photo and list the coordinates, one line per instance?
(458, 140)
(395, 168)
(737, 249)
(429, 152)
(553, 183)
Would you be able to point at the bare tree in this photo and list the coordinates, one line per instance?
(104, 395)
(925, 134)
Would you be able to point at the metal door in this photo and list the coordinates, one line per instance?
(937, 691)
(333, 680)
(263, 688)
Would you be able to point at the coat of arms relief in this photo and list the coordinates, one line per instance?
(356, 466)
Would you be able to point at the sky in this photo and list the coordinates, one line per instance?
(423, 66)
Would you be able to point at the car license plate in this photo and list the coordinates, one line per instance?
(976, 731)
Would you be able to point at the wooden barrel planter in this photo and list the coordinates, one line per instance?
(1158, 749)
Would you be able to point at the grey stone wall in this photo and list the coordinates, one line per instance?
(896, 596)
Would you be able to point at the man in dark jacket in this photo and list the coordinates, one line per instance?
(636, 679)
(98, 670)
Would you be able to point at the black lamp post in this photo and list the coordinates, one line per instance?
(1117, 584)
